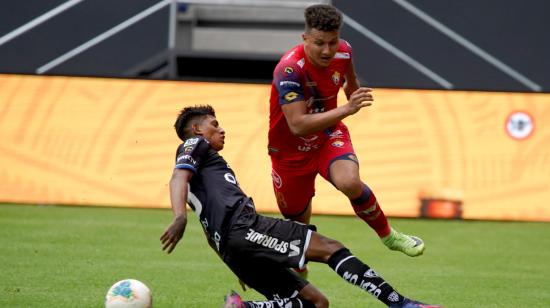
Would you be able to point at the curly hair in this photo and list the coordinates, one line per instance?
(322, 17)
(189, 116)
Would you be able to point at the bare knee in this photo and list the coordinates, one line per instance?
(344, 175)
(321, 248)
(322, 302)
(350, 185)
(332, 245)
(352, 188)
(313, 296)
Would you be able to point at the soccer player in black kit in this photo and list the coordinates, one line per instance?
(260, 250)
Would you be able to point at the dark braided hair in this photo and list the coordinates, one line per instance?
(323, 17)
(189, 116)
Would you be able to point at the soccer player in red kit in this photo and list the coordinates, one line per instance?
(306, 133)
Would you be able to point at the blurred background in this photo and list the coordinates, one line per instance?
(89, 91)
(466, 45)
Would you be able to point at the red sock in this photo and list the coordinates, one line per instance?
(367, 208)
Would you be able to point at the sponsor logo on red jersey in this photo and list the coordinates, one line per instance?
(289, 70)
(290, 96)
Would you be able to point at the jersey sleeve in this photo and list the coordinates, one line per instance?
(190, 153)
(288, 80)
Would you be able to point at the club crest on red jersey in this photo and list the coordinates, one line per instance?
(336, 78)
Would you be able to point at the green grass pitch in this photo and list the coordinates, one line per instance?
(52, 256)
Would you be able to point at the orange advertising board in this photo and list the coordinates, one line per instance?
(94, 141)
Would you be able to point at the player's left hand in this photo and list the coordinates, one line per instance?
(360, 98)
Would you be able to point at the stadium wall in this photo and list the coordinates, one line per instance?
(110, 142)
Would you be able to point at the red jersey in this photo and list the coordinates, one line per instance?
(296, 79)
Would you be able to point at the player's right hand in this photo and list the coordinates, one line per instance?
(173, 234)
(360, 98)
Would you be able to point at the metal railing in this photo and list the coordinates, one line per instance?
(172, 22)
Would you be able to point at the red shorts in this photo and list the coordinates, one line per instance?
(294, 182)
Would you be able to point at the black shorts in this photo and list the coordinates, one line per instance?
(262, 250)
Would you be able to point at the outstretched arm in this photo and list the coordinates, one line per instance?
(302, 123)
(178, 198)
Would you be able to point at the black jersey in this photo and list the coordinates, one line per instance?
(214, 193)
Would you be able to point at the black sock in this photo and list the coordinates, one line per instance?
(282, 303)
(358, 273)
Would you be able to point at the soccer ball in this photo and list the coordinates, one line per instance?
(128, 293)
